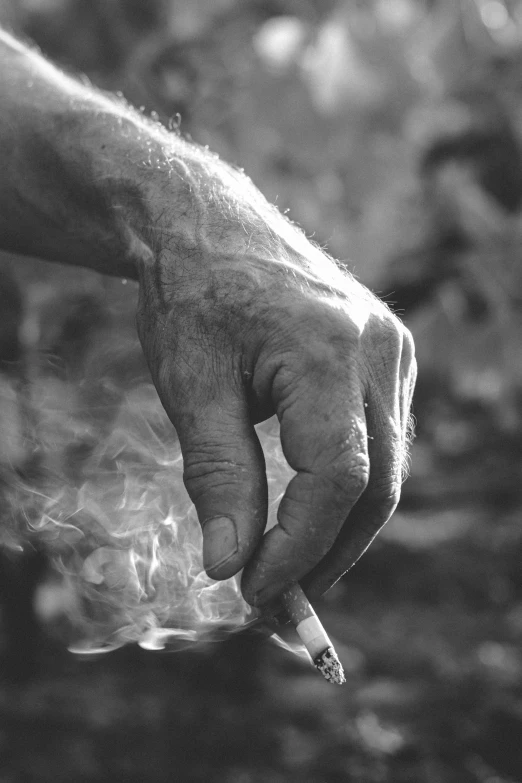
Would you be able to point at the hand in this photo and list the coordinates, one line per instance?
(240, 318)
(234, 337)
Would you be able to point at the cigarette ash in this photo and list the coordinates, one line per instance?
(330, 666)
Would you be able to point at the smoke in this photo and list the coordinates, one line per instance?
(91, 474)
(126, 540)
(96, 482)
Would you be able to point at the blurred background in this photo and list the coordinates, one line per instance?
(391, 131)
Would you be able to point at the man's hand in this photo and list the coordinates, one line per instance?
(240, 317)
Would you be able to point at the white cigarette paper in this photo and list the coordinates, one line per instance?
(312, 634)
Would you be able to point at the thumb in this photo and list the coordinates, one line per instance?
(224, 473)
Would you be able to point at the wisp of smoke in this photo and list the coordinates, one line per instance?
(120, 530)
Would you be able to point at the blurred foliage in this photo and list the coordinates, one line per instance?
(391, 131)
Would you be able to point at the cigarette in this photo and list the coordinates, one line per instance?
(313, 635)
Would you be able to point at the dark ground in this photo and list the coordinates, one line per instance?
(431, 644)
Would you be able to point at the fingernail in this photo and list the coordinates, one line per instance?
(219, 542)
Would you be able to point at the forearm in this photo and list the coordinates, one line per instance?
(85, 179)
(89, 181)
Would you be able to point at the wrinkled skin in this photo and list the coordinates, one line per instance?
(240, 317)
(233, 338)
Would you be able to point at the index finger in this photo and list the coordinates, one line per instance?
(323, 436)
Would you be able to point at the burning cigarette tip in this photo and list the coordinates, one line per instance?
(330, 666)
(313, 635)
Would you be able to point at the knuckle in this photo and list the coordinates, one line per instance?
(318, 358)
(344, 464)
(204, 471)
(391, 333)
(384, 343)
(408, 347)
(348, 476)
(358, 475)
(385, 496)
(323, 355)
